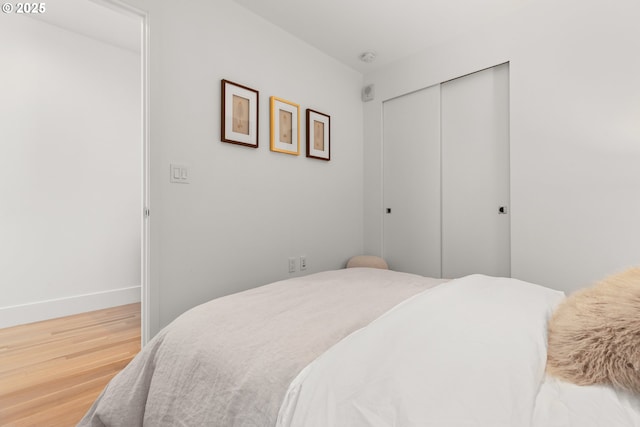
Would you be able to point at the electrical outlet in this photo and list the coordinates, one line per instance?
(303, 262)
(292, 265)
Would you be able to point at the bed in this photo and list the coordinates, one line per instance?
(360, 347)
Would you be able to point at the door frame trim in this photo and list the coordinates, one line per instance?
(145, 250)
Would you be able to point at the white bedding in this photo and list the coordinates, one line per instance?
(360, 348)
(468, 353)
(561, 404)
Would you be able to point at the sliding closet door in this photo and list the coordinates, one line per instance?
(411, 182)
(475, 174)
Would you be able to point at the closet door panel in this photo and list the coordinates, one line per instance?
(475, 174)
(411, 182)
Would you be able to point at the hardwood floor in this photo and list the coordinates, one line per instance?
(52, 371)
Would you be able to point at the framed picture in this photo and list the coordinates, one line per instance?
(239, 114)
(318, 135)
(285, 126)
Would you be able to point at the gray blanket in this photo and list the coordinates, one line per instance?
(229, 362)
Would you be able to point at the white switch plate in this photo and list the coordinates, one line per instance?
(303, 262)
(292, 265)
(179, 174)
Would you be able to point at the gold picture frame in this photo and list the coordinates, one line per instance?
(285, 126)
(239, 114)
(318, 135)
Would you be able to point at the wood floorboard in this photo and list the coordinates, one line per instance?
(52, 371)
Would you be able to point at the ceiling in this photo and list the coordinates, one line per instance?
(343, 29)
(393, 29)
(96, 20)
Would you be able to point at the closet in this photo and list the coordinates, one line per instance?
(446, 177)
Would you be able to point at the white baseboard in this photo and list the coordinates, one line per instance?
(51, 309)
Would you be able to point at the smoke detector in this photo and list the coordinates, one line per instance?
(367, 57)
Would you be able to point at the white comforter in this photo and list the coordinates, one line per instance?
(468, 353)
(560, 404)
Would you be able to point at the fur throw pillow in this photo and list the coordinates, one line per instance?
(594, 335)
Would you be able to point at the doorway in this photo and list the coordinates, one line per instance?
(74, 231)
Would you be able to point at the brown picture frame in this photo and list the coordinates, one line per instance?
(318, 135)
(239, 119)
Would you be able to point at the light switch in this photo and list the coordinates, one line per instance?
(179, 174)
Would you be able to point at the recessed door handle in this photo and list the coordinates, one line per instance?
(502, 210)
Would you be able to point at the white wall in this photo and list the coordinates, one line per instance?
(71, 170)
(246, 210)
(575, 133)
